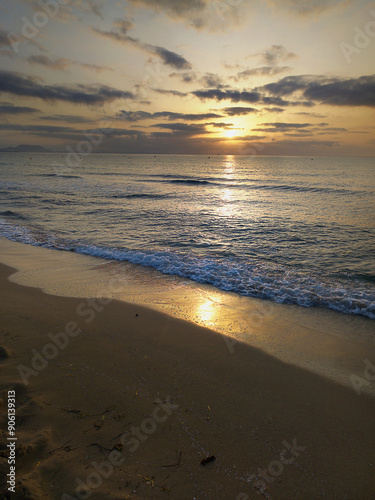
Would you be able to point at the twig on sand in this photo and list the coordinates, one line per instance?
(128, 496)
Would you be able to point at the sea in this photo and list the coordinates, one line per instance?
(294, 230)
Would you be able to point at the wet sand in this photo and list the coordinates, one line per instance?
(117, 400)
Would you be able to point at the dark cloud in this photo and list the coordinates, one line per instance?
(208, 80)
(184, 128)
(351, 92)
(4, 40)
(67, 118)
(289, 85)
(36, 128)
(231, 95)
(63, 132)
(299, 129)
(253, 96)
(277, 110)
(186, 116)
(186, 77)
(239, 110)
(309, 89)
(119, 33)
(168, 57)
(134, 116)
(223, 125)
(307, 113)
(171, 92)
(17, 84)
(212, 80)
(278, 101)
(281, 126)
(332, 91)
(7, 108)
(180, 7)
(277, 53)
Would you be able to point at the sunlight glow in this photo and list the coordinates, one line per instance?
(230, 133)
(206, 311)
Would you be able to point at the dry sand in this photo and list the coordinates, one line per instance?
(137, 399)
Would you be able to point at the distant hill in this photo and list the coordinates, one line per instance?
(24, 148)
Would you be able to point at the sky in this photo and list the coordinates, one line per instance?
(246, 77)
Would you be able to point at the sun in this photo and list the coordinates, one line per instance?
(230, 133)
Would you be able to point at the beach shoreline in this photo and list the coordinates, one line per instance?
(320, 340)
(136, 399)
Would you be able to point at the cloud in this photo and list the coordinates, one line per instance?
(171, 92)
(262, 71)
(276, 54)
(207, 79)
(232, 95)
(168, 57)
(186, 77)
(223, 125)
(332, 91)
(198, 10)
(134, 116)
(63, 132)
(186, 116)
(311, 90)
(252, 96)
(120, 34)
(62, 63)
(282, 126)
(67, 118)
(271, 58)
(21, 85)
(201, 14)
(183, 128)
(307, 113)
(351, 92)
(239, 110)
(4, 40)
(277, 110)
(212, 80)
(299, 129)
(7, 108)
(179, 8)
(309, 7)
(36, 128)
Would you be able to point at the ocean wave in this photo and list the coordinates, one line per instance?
(249, 278)
(14, 215)
(243, 184)
(140, 195)
(64, 176)
(190, 181)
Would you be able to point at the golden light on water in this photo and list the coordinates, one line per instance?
(206, 311)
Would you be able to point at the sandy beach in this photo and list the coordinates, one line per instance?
(116, 400)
